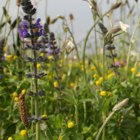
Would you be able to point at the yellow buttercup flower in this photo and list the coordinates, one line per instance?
(23, 133)
(42, 54)
(44, 115)
(9, 56)
(98, 83)
(55, 84)
(133, 70)
(139, 106)
(48, 72)
(10, 138)
(95, 76)
(38, 65)
(70, 124)
(125, 68)
(48, 64)
(23, 91)
(50, 57)
(93, 68)
(5, 48)
(50, 77)
(72, 84)
(101, 79)
(70, 64)
(63, 76)
(15, 57)
(16, 99)
(103, 93)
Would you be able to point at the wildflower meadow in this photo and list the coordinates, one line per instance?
(55, 88)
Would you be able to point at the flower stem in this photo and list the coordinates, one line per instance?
(76, 114)
(84, 48)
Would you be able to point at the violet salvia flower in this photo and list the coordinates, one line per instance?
(33, 30)
(2, 40)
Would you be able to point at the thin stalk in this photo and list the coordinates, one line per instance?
(3, 12)
(128, 58)
(103, 70)
(104, 124)
(96, 49)
(84, 48)
(26, 128)
(85, 112)
(6, 19)
(76, 114)
(17, 31)
(46, 5)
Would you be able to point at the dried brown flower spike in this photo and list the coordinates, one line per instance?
(18, 2)
(22, 110)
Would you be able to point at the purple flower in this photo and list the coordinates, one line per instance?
(23, 23)
(2, 58)
(50, 52)
(23, 32)
(37, 24)
(0, 76)
(58, 50)
(117, 63)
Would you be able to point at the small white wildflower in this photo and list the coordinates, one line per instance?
(123, 26)
(70, 46)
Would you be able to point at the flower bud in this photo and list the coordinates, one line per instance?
(115, 30)
(54, 20)
(116, 5)
(120, 105)
(18, 2)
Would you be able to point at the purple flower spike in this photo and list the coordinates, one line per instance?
(0, 77)
(50, 52)
(58, 50)
(37, 24)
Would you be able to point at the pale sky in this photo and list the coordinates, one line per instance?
(79, 8)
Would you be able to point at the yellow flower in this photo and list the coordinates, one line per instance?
(81, 62)
(139, 106)
(101, 65)
(9, 56)
(101, 79)
(50, 77)
(63, 76)
(15, 57)
(103, 93)
(95, 76)
(93, 68)
(109, 94)
(72, 84)
(5, 48)
(44, 115)
(123, 26)
(23, 91)
(109, 71)
(125, 68)
(55, 84)
(48, 72)
(38, 65)
(16, 99)
(42, 54)
(23, 133)
(70, 124)
(10, 138)
(133, 70)
(15, 94)
(70, 64)
(50, 57)
(98, 83)
(110, 75)
(115, 59)
(24, 79)
(48, 64)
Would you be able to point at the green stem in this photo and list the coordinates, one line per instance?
(26, 128)
(85, 112)
(103, 71)
(128, 58)
(84, 49)
(76, 114)
(46, 9)
(104, 124)
(96, 48)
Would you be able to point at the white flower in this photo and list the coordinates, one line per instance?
(123, 26)
(70, 46)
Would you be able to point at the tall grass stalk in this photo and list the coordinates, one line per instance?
(86, 39)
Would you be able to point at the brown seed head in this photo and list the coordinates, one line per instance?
(18, 2)
(116, 5)
(71, 17)
(22, 110)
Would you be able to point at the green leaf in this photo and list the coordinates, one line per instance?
(59, 120)
(70, 98)
(78, 136)
(65, 136)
